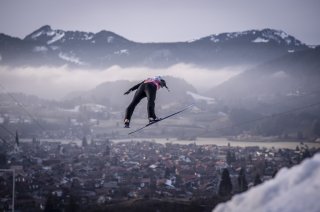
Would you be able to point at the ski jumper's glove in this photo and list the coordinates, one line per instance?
(133, 88)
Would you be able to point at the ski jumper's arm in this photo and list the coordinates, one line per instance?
(134, 88)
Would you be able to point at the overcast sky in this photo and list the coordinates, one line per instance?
(163, 20)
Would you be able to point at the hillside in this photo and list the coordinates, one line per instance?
(292, 190)
(293, 75)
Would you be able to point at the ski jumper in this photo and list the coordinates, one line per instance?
(148, 88)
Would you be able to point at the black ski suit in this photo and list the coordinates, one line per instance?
(144, 89)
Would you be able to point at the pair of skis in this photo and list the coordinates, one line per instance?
(161, 119)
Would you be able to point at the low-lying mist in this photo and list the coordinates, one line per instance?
(55, 83)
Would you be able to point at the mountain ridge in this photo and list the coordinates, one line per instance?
(46, 46)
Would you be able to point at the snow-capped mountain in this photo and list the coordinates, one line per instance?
(48, 36)
(47, 46)
(276, 37)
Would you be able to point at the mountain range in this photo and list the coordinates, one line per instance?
(49, 47)
(283, 75)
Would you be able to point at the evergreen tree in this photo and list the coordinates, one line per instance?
(306, 154)
(257, 180)
(72, 205)
(179, 181)
(274, 173)
(51, 204)
(225, 187)
(231, 157)
(17, 138)
(3, 159)
(167, 173)
(242, 181)
(108, 151)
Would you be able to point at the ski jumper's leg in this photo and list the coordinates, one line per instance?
(140, 94)
(151, 91)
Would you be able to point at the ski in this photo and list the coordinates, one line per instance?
(161, 119)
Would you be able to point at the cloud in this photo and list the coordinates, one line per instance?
(54, 83)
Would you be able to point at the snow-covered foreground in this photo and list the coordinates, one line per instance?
(292, 190)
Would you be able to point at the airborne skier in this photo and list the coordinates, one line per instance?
(147, 88)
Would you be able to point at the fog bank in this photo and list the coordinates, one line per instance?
(55, 83)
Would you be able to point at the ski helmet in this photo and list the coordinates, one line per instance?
(161, 81)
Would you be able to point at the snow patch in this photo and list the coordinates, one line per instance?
(153, 166)
(34, 36)
(122, 51)
(214, 39)
(271, 36)
(40, 49)
(110, 39)
(192, 40)
(260, 40)
(291, 51)
(292, 190)
(70, 58)
(169, 183)
(56, 36)
(198, 97)
(236, 34)
(88, 36)
(282, 34)
(54, 48)
(51, 33)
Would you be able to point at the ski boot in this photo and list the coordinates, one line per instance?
(126, 123)
(152, 120)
